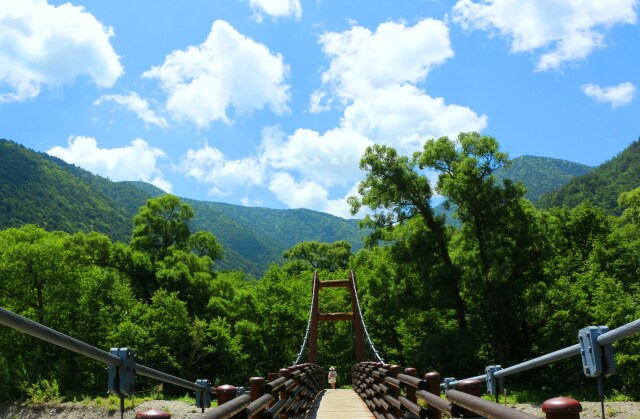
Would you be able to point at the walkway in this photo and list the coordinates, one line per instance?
(339, 404)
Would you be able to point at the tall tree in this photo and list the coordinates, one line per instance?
(160, 224)
(396, 192)
(495, 227)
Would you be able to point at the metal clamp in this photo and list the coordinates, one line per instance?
(446, 382)
(597, 360)
(492, 381)
(122, 378)
(203, 397)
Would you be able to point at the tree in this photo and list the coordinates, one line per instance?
(396, 193)
(321, 256)
(497, 239)
(162, 223)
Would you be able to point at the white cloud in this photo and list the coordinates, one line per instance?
(209, 165)
(276, 8)
(134, 162)
(394, 54)
(619, 95)
(329, 159)
(226, 70)
(563, 30)
(306, 194)
(44, 45)
(404, 117)
(136, 104)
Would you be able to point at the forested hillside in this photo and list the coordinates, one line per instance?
(43, 190)
(46, 191)
(541, 174)
(603, 185)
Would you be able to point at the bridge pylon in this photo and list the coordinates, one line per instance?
(355, 316)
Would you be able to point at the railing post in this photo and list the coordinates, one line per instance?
(226, 393)
(270, 377)
(562, 408)
(473, 388)
(433, 387)
(411, 391)
(257, 384)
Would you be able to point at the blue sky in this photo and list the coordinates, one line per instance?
(272, 102)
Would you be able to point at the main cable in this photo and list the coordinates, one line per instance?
(364, 326)
(306, 334)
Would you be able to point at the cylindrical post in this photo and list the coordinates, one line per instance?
(256, 384)
(226, 393)
(411, 391)
(433, 387)
(562, 408)
(473, 388)
(271, 377)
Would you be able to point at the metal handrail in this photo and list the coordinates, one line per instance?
(18, 322)
(604, 339)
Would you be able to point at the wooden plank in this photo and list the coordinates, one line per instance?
(339, 404)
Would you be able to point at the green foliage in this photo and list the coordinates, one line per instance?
(43, 391)
(321, 256)
(603, 185)
(540, 175)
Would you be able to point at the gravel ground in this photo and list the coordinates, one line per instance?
(181, 410)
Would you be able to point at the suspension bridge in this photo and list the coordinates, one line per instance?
(379, 389)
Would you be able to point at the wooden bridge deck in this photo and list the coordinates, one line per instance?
(338, 404)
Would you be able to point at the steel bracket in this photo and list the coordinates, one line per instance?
(203, 397)
(492, 381)
(597, 360)
(122, 378)
(447, 383)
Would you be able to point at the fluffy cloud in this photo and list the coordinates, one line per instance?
(619, 95)
(306, 194)
(395, 53)
(209, 165)
(226, 70)
(136, 104)
(330, 159)
(134, 162)
(404, 117)
(565, 30)
(44, 45)
(276, 8)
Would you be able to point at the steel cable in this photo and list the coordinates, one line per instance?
(306, 334)
(364, 326)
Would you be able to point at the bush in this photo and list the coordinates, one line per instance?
(43, 391)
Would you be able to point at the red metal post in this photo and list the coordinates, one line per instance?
(472, 387)
(313, 328)
(433, 387)
(411, 391)
(562, 408)
(226, 392)
(256, 383)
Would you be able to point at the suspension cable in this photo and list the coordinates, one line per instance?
(306, 334)
(364, 326)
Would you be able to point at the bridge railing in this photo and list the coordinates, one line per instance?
(390, 393)
(291, 394)
(291, 391)
(380, 385)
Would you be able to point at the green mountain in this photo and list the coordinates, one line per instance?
(44, 190)
(541, 175)
(601, 186)
(56, 196)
